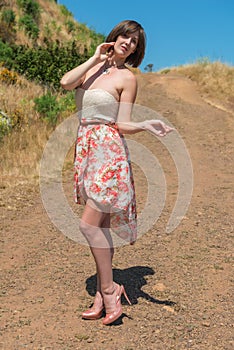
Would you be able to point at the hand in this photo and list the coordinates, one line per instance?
(102, 53)
(157, 127)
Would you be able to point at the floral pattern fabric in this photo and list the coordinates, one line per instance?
(103, 173)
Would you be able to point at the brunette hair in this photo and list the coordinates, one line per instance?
(128, 27)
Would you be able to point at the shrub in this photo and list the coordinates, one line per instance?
(30, 7)
(65, 11)
(8, 77)
(8, 16)
(18, 118)
(30, 26)
(165, 71)
(48, 107)
(47, 64)
(6, 54)
(70, 26)
(68, 102)
(5, 125)
(7, 22)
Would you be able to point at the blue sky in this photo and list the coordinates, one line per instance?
(178, 31)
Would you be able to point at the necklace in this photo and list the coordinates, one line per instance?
(106, 70)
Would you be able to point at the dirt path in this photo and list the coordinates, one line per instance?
(180, 283)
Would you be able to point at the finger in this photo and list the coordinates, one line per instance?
(107, 45)
(169, 129)
(155, 131)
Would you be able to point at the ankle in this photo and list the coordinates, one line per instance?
(108, 290)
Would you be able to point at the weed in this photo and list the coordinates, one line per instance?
(8, 77)
(48, 107)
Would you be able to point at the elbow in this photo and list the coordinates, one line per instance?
(65, 85)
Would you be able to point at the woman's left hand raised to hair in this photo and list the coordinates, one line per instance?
(103, 51)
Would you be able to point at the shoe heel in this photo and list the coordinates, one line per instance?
(125, 295)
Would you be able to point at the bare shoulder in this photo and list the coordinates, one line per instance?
(129, 79)
(129, 86)
(130, 76)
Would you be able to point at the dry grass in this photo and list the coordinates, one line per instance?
(19, 97)
(215, 80)
(22, 149)
(51, 25)
(51, 17)
(21, 153)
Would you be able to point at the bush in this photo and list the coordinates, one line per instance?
(8, 77)
(7, 23)
(6, 54)
(46, 64)
(48, 107)
(30, 26)
(70, 26)
(5, 125)
(65, 11)
(16, 120)
(8, 16)
(30, 7)
(68, 101)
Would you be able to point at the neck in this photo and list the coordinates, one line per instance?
(115, 62)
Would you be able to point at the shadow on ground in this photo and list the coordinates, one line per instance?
(133, 279)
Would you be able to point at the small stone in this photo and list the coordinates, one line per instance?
(159, 287)
(169, 308)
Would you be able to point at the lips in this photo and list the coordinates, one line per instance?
(124, 48)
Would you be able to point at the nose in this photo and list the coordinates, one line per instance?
(128, 41)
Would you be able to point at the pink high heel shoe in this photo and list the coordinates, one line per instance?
(113, 305)
(95, 312)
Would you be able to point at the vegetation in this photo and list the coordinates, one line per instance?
(215, 79)
(29, 25)
(149, 68)
(45, 64)
(36, 48)
(49, 106)
(30, 8)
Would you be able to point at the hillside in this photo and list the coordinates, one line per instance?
(30, 22)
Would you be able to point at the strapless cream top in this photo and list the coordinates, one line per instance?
(96, 105)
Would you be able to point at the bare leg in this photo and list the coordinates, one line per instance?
(105, 228)
(99, 239)
(98, 236)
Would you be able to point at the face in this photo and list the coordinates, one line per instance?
(125, 45)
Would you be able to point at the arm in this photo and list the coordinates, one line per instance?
(76, 76)
(125, 125)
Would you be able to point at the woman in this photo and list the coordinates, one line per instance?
(105, 92)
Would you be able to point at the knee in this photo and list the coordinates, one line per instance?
(85, 228)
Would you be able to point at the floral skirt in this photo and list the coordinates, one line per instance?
(103, 173)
